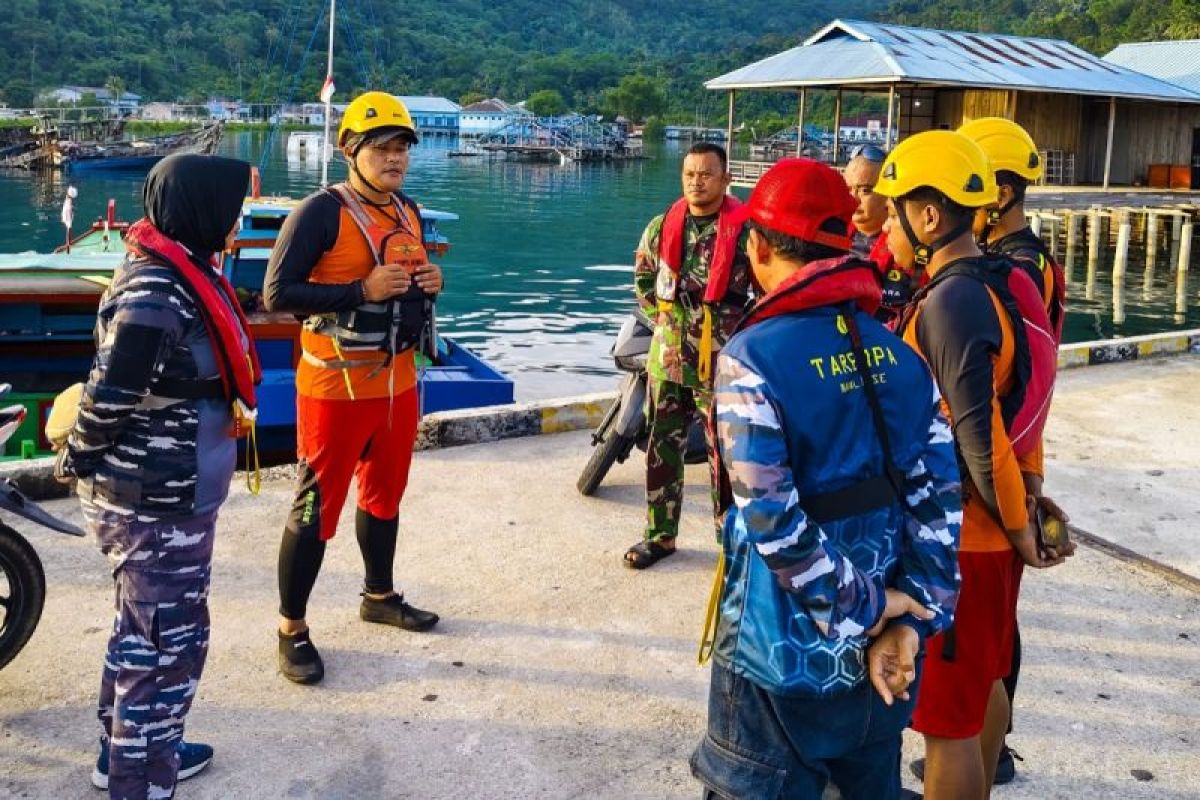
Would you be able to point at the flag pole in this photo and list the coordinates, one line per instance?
(327, 90)
(68, 213)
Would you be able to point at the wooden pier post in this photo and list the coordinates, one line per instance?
(800, 122)
(1118, 273)
(1151, 254)
(1072, 245)
(1185, 255)
(1176, 234)
(1055, 224)
(1093, 253)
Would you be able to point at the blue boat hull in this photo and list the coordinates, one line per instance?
(125, 164)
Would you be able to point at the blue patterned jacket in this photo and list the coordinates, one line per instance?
(137, 448)
(793, 422)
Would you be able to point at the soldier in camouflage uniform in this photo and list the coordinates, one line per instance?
(672, 280)
(174, 357)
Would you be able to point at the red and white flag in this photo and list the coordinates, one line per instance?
(68, 208)
(327, 89)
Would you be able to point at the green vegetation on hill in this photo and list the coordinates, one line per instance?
(1095, 25)
(258, 50)
(641, 59)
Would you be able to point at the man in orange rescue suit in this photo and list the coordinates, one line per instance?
(1002, 230)
(351, 262)
(966, 323)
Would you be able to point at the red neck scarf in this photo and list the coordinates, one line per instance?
(222, 315)
(671, 242)
(821, 283)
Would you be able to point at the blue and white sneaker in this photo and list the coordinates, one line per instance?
(193, 758)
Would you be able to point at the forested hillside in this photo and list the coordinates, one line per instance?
(273, 50)
(260, 49)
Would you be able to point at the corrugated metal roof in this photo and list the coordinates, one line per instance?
(429, 105)
(849, 52)
(493, 106)
(1176, 62)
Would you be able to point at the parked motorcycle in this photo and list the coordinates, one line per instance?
(626, 425)
(22, 579)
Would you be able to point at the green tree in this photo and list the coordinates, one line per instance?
(653, 129)
(636, 97)
(115, 86)
(546, 103)
(19, 93)
(470, 98)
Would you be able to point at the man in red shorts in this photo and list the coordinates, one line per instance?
(351, 261)
(965, 323)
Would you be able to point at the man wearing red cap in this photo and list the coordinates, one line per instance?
(839, 545)
(693, 279)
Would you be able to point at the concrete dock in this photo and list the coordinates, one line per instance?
(556, 673)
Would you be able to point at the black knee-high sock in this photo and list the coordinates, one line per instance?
(1010, 683)
(377, 541)
(300, 558)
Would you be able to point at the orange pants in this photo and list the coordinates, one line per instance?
(369, 440)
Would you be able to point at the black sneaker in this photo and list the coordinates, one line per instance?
(394, 611)
(1006, 767)
(299, 660)
(193, 759)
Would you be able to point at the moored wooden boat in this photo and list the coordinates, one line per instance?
(48, 311)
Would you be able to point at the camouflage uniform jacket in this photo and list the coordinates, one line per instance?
(674, 351)
(134, 448)
(794, 423)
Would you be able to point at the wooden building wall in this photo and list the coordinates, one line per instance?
(956, 106)
(1144, 134)
(1055, 121)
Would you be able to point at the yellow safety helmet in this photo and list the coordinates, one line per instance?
(376, 111)
(1007, 145)
(942, 160)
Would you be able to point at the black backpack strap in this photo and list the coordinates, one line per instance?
(949, 644)
(994, 273)
(893, 474)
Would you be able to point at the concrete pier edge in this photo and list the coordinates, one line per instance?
(580, 412)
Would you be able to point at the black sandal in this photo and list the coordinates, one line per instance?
(646, 554)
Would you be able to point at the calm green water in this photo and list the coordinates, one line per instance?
(538, 277)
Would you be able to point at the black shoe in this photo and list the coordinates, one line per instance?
(394, 611)
(1006, 767)
(299, 660)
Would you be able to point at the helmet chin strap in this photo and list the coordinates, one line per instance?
(923, 253)
(353, 163)
(994, 215)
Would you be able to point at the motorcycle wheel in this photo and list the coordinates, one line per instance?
(611, 449)
(22, 593)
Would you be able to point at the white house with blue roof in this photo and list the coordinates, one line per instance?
(434, 116)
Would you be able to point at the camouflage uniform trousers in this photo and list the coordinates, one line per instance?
(672, 409)
(158, 644)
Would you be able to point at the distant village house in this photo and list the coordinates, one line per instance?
(127, 104)
(487, 116)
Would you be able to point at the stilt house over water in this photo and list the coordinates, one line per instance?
(1099, 123)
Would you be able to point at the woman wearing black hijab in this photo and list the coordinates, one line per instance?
(173, 378)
